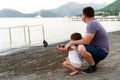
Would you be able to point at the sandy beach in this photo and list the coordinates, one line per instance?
(39, 63)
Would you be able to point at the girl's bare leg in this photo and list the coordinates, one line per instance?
(70, 67)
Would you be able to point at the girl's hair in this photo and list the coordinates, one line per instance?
(76, 36)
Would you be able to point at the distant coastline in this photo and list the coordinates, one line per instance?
(99, 18)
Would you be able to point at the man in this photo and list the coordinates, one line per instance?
(94, 47)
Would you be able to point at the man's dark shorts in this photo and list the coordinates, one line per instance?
(97, 53)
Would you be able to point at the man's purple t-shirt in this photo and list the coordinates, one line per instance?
(101, 36)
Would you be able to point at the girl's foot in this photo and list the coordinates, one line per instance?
(74, 72)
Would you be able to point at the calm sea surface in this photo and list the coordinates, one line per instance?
(55, 29)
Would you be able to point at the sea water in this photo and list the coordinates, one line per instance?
(55, 30)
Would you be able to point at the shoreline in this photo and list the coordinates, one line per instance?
(39, 63)
(13, 50)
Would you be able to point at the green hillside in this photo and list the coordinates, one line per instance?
(112, 9)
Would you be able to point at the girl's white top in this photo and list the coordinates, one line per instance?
(74, 55)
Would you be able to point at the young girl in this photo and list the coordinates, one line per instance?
(74, 60)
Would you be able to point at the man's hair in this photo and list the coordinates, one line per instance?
(76, 36)
(88, 12)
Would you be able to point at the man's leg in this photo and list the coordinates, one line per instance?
(88, 57)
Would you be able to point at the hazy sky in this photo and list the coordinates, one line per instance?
(27, 6)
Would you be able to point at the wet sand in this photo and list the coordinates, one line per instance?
(39, 63)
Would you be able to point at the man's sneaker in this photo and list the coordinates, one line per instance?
(89, 70)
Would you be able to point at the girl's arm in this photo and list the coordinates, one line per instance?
(63, 48)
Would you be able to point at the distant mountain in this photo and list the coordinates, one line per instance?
(48, 13)
(113, 8)
(14, 13)
(73, 8)
(69, 9)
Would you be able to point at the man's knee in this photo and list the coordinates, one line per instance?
(81, 49)
(83, 52)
